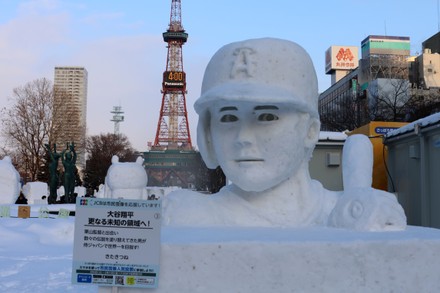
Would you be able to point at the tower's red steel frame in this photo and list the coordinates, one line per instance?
(173, 127)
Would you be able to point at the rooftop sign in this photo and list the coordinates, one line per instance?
(341, 58)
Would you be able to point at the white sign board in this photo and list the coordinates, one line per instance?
(117, 242)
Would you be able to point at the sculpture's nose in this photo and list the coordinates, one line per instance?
(245, 135)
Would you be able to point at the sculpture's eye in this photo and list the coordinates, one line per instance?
(267, 117)
(229, 118)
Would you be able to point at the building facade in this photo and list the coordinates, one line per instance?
(388, 85)
(70, 110)
(342, 107)
(432, 43)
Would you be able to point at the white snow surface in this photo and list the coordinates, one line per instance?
(36, 254)
(423, 122)
(332, 135)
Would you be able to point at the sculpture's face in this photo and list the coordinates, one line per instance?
(258, 146)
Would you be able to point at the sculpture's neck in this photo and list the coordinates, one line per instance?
(296, 201)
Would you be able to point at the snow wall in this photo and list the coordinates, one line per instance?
(296, 260)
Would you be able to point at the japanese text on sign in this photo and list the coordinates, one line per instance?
(117, 242)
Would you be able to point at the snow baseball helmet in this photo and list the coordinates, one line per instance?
(265, 70)
(261, 70)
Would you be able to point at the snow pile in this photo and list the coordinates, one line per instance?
(9, 182)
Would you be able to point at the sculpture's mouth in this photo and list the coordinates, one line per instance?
(250, 160)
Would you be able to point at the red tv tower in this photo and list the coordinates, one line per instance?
(171, 160)
(173, 127)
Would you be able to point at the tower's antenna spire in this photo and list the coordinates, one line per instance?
(176, 17)
(173, 127)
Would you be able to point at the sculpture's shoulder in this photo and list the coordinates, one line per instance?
(182, 198)
(191, 208)
(188, 208)
(328, 199)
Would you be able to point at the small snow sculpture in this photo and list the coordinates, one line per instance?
(126, 180)
(259, 121)
(361, 205)
(9, 182)
(35, 191)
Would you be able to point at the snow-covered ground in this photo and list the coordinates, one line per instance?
(36, 254)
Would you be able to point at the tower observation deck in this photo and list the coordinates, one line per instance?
(173, 127)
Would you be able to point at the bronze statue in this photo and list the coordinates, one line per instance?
(68, 157)
(53, 173)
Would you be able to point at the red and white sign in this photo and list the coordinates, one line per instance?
(341, 58)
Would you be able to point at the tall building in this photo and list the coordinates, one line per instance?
(388, 84)
(425, 70)
(432, 43)
(384, 57)
(376, 90)
(70, 110)
(425, 81)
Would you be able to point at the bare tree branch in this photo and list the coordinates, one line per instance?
(30, 123)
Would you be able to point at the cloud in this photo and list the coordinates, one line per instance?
(38, 7)
(125, 69)
(25, 40)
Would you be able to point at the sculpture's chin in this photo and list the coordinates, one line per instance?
(259, 185)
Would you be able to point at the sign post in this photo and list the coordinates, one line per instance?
(117, 242)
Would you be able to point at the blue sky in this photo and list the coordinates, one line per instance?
(120, 44)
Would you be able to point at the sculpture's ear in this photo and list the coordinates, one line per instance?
(313, 133)
(139, 160)
(115, 159)
(204, 140)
